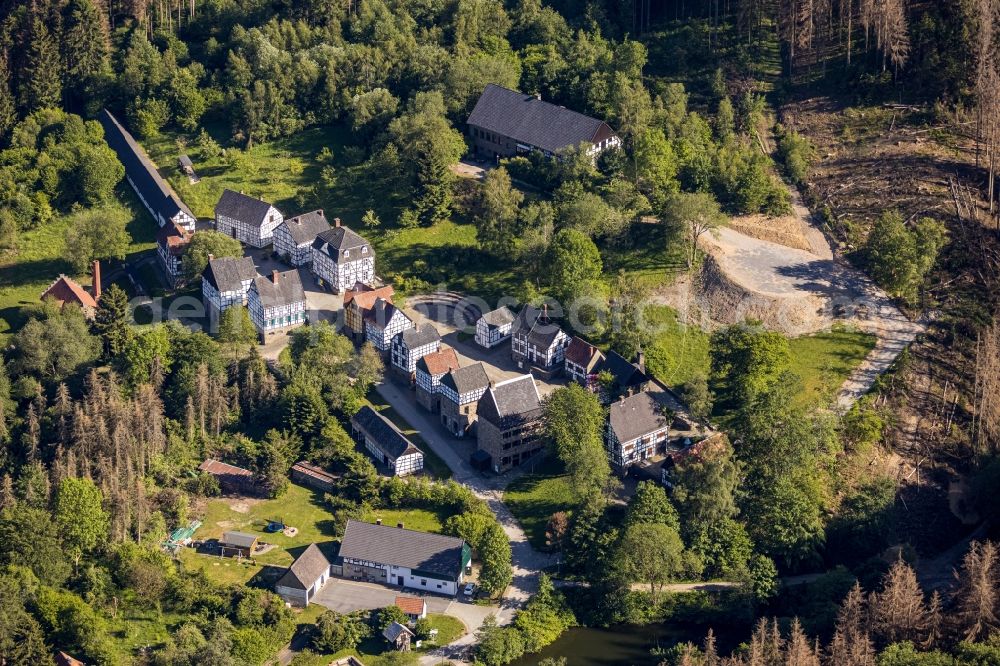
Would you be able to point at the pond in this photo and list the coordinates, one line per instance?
(625, 645)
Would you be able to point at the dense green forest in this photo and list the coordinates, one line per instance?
(103, 424)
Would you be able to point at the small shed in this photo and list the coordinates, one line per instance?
(232, 479)
(186, 165)
(399, 636)
(307, 474)
(414, 607)
(238, 543)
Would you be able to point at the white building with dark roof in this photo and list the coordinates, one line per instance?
(407, 558)
(224, 283)
(383, 322)
(413, 344)
(342, 258)
(171, 243)
(638, 426)
(460, 392)
(277, 303)
(305, 578)
(383, 440)
(294, 237)
(494, 327)
(509, 425)
(506, 122)
(582, 362)
(248, 219)
(537, 343)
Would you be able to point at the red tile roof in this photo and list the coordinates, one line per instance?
(213, 466)
(410, 605)
(582, 353)
(175, 237)
(66, 290)
(440, 362)
(364, 297)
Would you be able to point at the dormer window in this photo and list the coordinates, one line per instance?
(364, 249)
(347, 253)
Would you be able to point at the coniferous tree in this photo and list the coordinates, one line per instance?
(41, 76)
(976, 594)
(85, 44)
(436, 198)
(8, 105)
(111, 321)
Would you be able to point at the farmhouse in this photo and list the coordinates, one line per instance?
(358, 302)
(140, 172)
(583, 362)
(537, 343)
(413, 344)
(638, 426)
(305, 578)
(505, 123)
(305, 473)
(342, 258)
(67, 290)
(225, 283)
(238, 543)
(171, 243)
(245, 218)
(414, 607)
(460, 391)
(509, 429)
(232, 479)
(398, 556)
(294, 237)
(494, 327)
(277, 303)
(386, 443)
(430, 369)
(383, 322)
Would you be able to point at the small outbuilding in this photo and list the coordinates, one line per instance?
(232, 479)
(307, 474)
(414, 607)
(399, 636)
(238, 543)
(305, 578)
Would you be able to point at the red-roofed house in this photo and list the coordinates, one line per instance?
(67, 290)
(430, 369)
(414, 607)
(358, 302)
(171, 243)
(582, 362)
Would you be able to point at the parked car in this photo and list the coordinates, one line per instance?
(469, 589)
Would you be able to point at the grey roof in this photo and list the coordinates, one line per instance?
(228, 273)
(626, 374)
(386, 435)
(419, 336)
(535, 325)
(141, 170)
(510, 402)
(499, 317)
(466, 380)
(239, 206)
(531, 121)
(305, 227)
(640, 414)
(420, 551)
(337, 241)
(285, 291)
(394, 631)
(382, 312)
(240, 539)
(306, 569)
(185, 161)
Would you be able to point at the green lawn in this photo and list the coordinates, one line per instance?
(449, 629)
(412, 519)
(533, 498)
(678, 352)
(644, 257)
(825, 360)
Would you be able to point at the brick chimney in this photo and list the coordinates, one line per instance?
(640, 361)
(96, 288)
(211, 256)
(321, 214)
(336, 221)
(274, 277)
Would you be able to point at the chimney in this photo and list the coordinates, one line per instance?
(640, 361)
(211, 256)
(336, 221)
(96, 288)
(378, 521)
(320, 211)
(399, 525)
(274, 277)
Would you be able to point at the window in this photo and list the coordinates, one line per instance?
(364, 249)
(347, 253)
(423, 581)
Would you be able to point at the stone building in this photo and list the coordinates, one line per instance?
(509, 427)
(460, 392)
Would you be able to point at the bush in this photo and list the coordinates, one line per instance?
(796, 153)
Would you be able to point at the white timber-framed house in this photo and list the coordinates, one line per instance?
(537, 343)
(413, 344)
(639, 427)
(225, 283)
(277, 303)
(430, 369)
(249, 220)
(460, 392)
(494, 327)
(293, 238)
(171, 243)
(341, 258)
(383, 322)
(392, 450)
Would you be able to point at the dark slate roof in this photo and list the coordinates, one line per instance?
(239, 539)
(384, 432)
(305, 227)
(141, 170)
(185, 161)
(531, 121)
(640, 414)
(306, 569)
(334, 242)
(499, 317)
(287, 289)
(228, 273)
(626, 374)
(419, 336)
(421, 551)
(239, 206)
(584, 354)
(510, 402)
(381, 313)
(536, 327)
(394, 631)
(466, 380)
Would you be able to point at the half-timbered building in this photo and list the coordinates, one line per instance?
(494, 327)
(583, 362)
(341, 258)
(225, 283)
(171, 243)
(537, 343)
(412, 345)
(390, 448)
(383, 322)
(294, 237)
(247, 219)
(358, 303)
(460, 392)
(638, 426)
(277, 303)
(430, 369)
